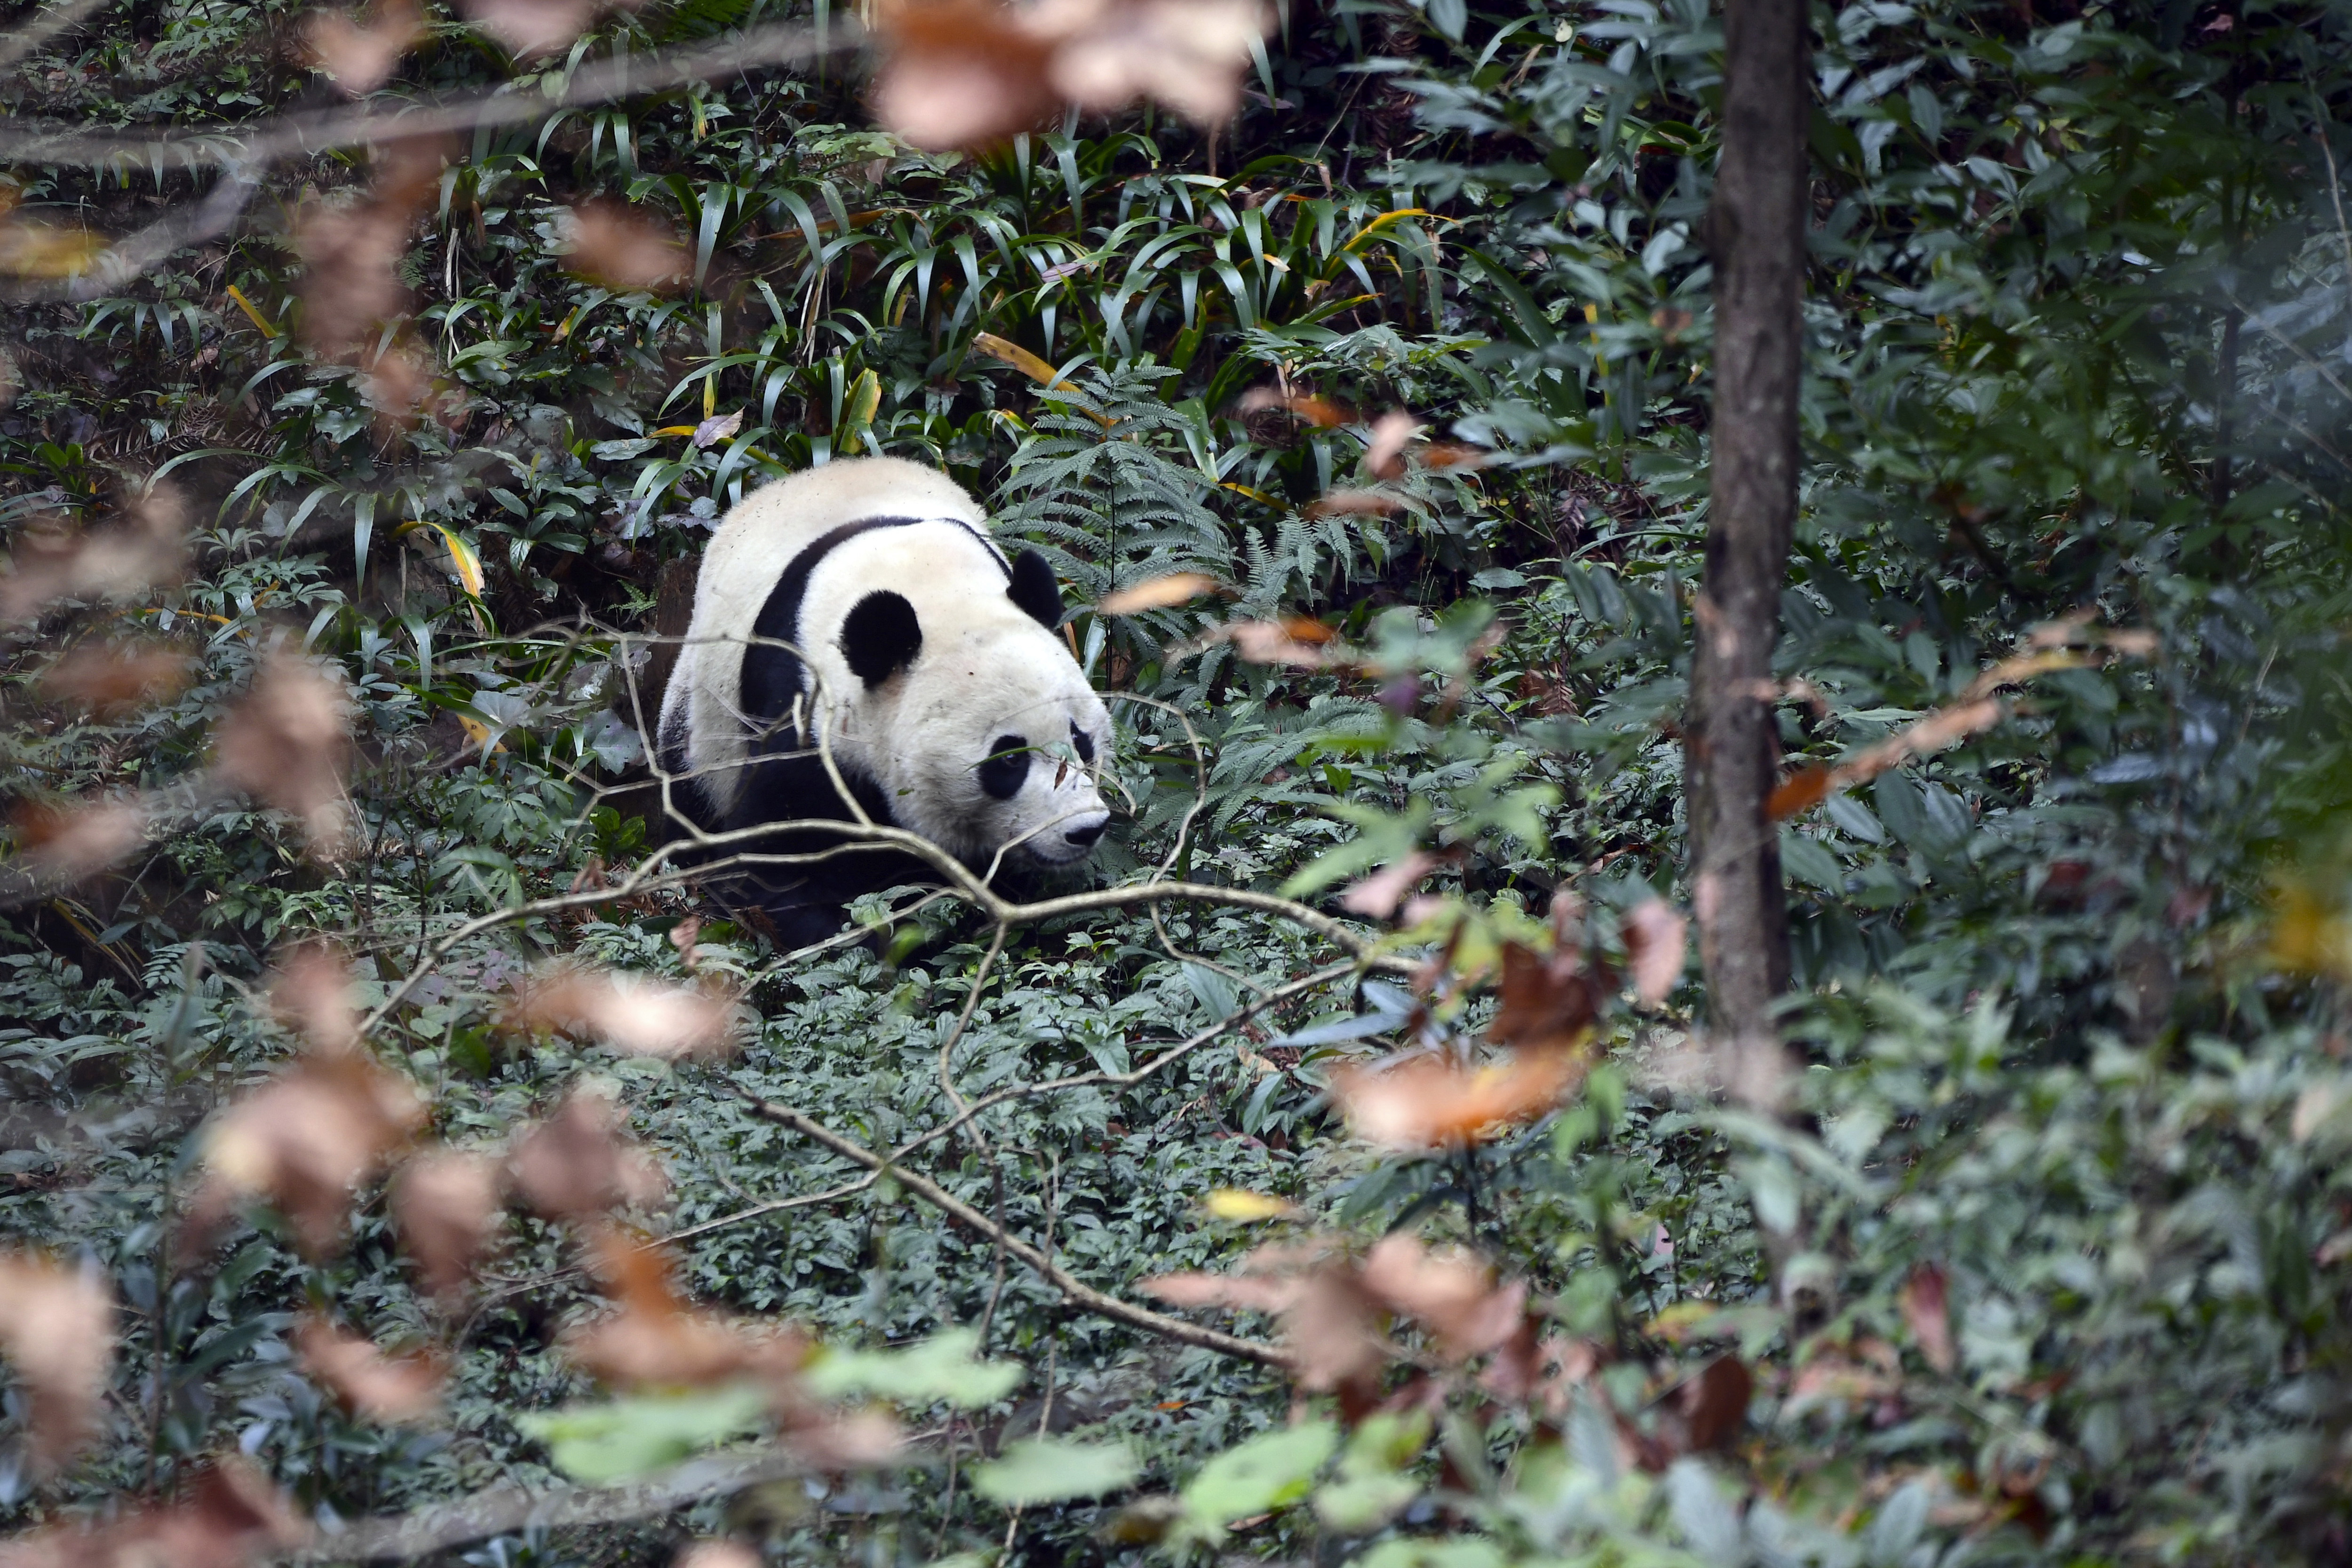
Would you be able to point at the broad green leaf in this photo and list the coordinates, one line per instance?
(600, 1443)
(1046, 1469)
(938, 1369)
(1271, 1470)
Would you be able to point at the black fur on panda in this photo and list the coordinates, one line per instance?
(864, 602)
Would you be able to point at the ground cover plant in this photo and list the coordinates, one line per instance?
(1396, 1148)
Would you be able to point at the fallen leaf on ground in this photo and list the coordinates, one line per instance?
(56, 1331)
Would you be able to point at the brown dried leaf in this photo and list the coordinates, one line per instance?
(624, 250)
(362, 56)
(370, 1384)
(1452, 1293)
(1926, 1307)
(965, 73)
(290, 742)
(446, 1206)
(633, 1014)
(350, 286)
(529, 27)
(579, 1164)
(1656, 938)
(858, 1440)
(115, 564)
(1379, 895)
(57, 1329)
(1547, 1003)
(107, 678)
(314, 994)
(1452, 454)
(1715, 1403)
(1328, 1325)
(1425, 1102)
(1801, 790)
(1158, 593)
(394, 385)
(64, 843)
(1319, 412)
(231, 1517)
(1187, 54)
(1354, 504)
(1271, 642)
(719, 427)
(657, 1339)
(307, 1138)
(718, 1554)
(1384, 455)
(960, 74)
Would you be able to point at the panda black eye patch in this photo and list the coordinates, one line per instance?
(1083, 741)
(1007, 767)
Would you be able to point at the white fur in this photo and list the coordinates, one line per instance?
(986, 669)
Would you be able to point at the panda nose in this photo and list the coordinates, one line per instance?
(1085, 837)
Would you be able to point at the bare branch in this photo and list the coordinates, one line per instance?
(36, 34)
(505, 1510)
(614, 77)
(1079, 1293)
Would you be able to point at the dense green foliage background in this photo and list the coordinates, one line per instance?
(2077, 313)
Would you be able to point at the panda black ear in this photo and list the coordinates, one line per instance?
(881, 636)
(1034, 590)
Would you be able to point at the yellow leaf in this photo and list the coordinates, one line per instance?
(1019, 357)
(462, 558)
(1385, 221)
(1158, 593)
(253, 312)
(1245, 1208)
(478, 732)
(44, 250)
(858, 409)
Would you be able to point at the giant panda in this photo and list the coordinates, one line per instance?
(862, 603)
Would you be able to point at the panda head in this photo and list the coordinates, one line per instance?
(976, 722)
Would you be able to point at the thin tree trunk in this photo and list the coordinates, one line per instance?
(1731, 753)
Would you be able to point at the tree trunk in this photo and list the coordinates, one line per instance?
(1731, 754)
